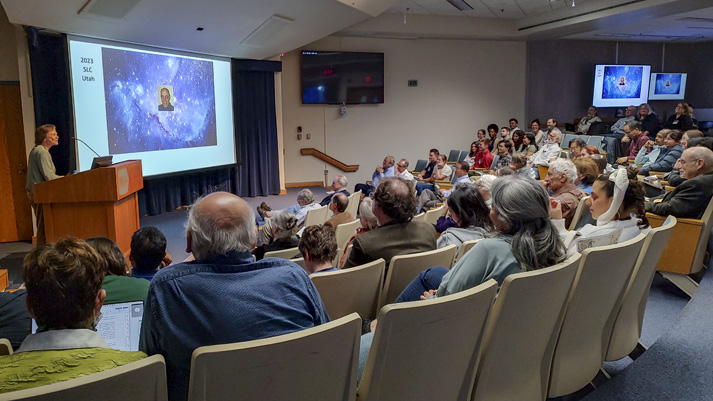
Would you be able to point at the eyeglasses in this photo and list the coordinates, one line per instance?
(686, 161)
(400, 165)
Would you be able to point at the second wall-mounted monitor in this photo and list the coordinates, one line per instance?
(620, 85)
(667, 86)
(342, 77)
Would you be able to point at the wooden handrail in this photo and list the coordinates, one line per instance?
(329, 159)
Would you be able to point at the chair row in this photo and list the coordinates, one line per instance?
(545, 335)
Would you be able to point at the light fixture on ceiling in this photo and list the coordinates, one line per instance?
(460, 4)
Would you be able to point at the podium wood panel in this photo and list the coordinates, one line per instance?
(100, 202)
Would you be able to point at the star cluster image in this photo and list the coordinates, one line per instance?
(131, 87)
(622, 82)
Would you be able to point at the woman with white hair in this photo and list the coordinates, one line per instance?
(616, 203)
(368, 222)
(284, 228)
(484, 185)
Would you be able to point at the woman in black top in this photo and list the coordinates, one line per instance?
(649, 123)
(681, 120)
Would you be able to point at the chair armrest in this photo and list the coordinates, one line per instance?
(445, 186)
(657, 220)
(443, 182)
(657, 173)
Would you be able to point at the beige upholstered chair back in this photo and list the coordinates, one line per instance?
(314, 364)
(404, 268)
(316, 216)
(591, 310)
(581, 209)
(344, 232)
(353, 206)
(357, 289)
(465, 247)
(419, 217)
(288, 253)
(143, 380)
(629, 321)
(522, 332)
(432, 216)
(427, 350)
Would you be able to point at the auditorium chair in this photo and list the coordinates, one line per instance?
(453, 156)
(345, 231)
(427, 350)
(465, 247)
(629, 321)
(419, 217)
(357, 289)
(513, 367)
(404, 268)
(432, 215)
(592, 307)
(318, 363)
(5, 347)
(347, 252)
(288, 253)
(143, 380)
(420, 166)
(685, 250)
(353, 206)
(582, 208)
(463, 155)
(316, 217)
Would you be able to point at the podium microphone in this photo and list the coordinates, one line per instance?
(85, 144)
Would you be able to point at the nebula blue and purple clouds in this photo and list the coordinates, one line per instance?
(613, 88)
(131, 86)
(668, 84)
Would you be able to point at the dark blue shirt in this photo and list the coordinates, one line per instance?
(429, 170)
(226, 299)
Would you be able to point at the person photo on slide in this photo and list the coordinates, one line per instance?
(165, 100)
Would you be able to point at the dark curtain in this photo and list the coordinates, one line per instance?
(255, 127)
(49, 63)
(256, 173)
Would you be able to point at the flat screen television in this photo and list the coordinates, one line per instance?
(667, 86)
(620, 85)
(342, 77)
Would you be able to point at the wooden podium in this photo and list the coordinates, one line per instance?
(100, 202)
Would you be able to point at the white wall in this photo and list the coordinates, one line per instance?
(463, 85)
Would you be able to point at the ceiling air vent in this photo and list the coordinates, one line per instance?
(117, 9)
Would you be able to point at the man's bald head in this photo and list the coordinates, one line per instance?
(696, 161)
(340, 202)
(218, 224)
(396, 199)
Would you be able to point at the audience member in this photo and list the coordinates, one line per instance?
(394, 207)
(481, 134)
(502, 159)
(575, 147)
(504, 136)
(64, 296)
(368, 222)
(380, 172)
(283, 225)
(305, 203)
(470, 159)
(517, 139)
(681, 120)
(669, 153)
(402, 171)
(467, 209)
(223, 296)
(428, 198)
(484, 185)
(493, 135)
(560, 181)
(690, 134)
(617, 203)
(15, 322)
(690, 198)
(318, 246)
(528, 147)
(427, 176)
(601, 162)
(513, 126)
(339, 184)
(549, 151)
(651, 149)
(586, 122)
(629, 115)
(444, 170)
(483, 159)
(588, 151)
(503, 171)
(673, 177)
(634, 140)
(518, 163)
(338, 206)
(119, 287)
(649, 122)
(587, 172)
(148, 253)
(537, 132)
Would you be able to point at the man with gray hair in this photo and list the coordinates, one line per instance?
(385, 170)
(224, 296)
(339, 184)
(305, 203)
(560, 182)
(690, 199)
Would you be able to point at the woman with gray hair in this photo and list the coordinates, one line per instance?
(484, 185)
(284, 228)
(524, 239)
(368, 222)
